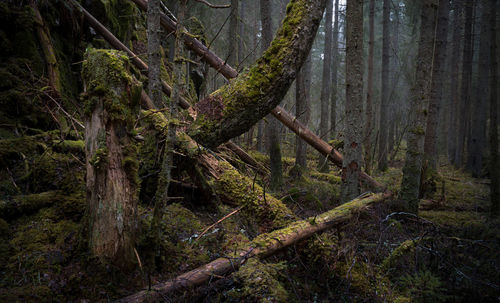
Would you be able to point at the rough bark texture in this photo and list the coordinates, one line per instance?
(495, 157)
(438, 74)
(419, 98)
(478, 139)
(335, 64)
(154, 53)
(326, 82)
(385, 94)
(249, 97)
(111, 106)
(262, 246)
(464, 107)
(455, 68)
(369, 91)
(353, 136)
(302, 109)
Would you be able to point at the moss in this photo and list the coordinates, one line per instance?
(404, 249)
(259, 283)
(329, 177)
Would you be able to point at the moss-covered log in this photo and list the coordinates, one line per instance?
(262, 246)
(111, 106)
(26, 204)
(234, 108)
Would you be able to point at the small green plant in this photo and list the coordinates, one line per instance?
(423, 286)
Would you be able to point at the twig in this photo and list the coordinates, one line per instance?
(219, 221)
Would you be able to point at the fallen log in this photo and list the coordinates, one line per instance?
(280, 113)
(262, 246)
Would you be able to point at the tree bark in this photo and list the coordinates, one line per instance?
(369, 91)
(479, 110)
(438, 73)
(335, 65)
(111, 99)
(495, 157)
(353, 135)
(302, 110)
(154, 53)
(384, 104)
(264, 245)
(419, 98)
(232, 50)
(464, 107)
(326, 82)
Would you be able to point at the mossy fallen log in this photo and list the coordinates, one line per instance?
(262, 246)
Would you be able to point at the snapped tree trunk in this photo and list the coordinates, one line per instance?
(325, 83)
(353, 136)
(384, 105)
(111, 106)
(419, 98)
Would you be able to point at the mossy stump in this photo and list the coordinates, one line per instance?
(111, 105)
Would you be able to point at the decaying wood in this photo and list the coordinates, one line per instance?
(262, 246)
(281, 114)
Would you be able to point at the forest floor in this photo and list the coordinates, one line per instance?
(447, 254)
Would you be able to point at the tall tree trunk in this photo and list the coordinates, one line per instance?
(232, 50)
(302, 110)
(384, 105)
(395, 97)
(325, 82)
(478, 138)
(438, 74)
(351, 166)
(455, 69)
(369, 91)
(154, 53)
(464, 106)
(335, 66)
(418, 107)
(272, 129)
(241, 32)
(495, 157)
(112, 98)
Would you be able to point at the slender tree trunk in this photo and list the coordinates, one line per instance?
(335, 66)
(384, 105)
(394, 94)
(272, 129)
(455, 69)
(111, 157)
(466, 85)
(325, 82)
(418, 107)
(302, 111)
(369, 92)
(154, 53)
(478, 138)
(241, 32)
(232, 50)
(438, 74)
(495, 158)
(351, 166)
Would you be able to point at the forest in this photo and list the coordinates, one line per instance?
(249, 151)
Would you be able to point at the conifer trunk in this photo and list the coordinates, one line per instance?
(384, 105)
(302, 110)
(154, 53)
(495, 157)
(369, 91)
(335, 64)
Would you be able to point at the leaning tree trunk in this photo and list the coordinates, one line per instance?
(235, 107)
(495, 158)
(418, 108)
(384, 105)
(325, 83)
(335, 64)
(369, 91)
(112, 104)
(351, 166)
(478, 138)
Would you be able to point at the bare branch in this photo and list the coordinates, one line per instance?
(214, 5)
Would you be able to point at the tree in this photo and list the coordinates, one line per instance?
(154, 53)
(354, 101)
(464, 106)
(302, 110)
(273, 140)
(112, 98)
(385, 95)
(233, 50)
(420, 93)
(369, 91)
(335, 64)
(478, 130)
(325, 82)
(495, 158)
